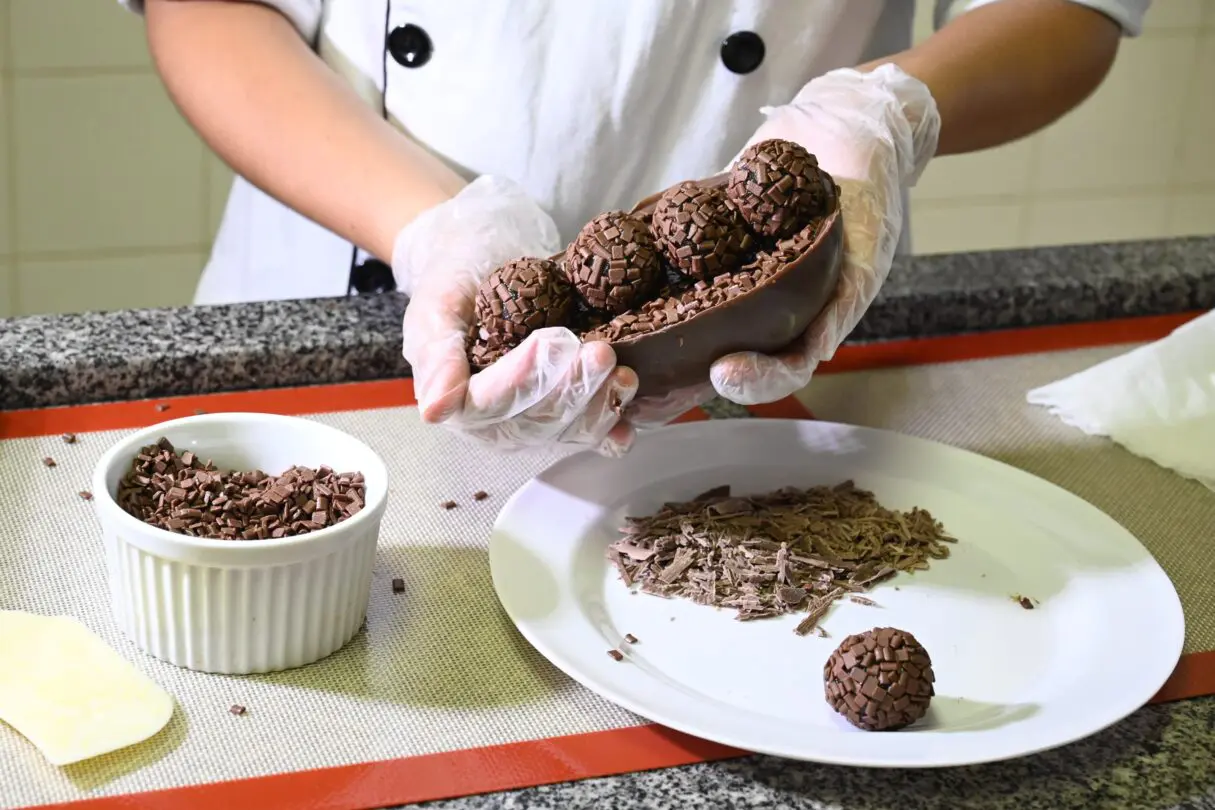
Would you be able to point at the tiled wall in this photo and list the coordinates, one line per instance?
(108, 200)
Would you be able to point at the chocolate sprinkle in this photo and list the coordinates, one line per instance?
(181, 493)
(613, 263)
(1024, 601)
(787, 551)
(69, 438)
(616, 655)
(520, 297)
(480, 495)
(398, 585)
(237, 709)
(777, 187)
(700, 232)
(86, 495)
(630, 638)
(49, 462)
(449, 505)
(880, 680)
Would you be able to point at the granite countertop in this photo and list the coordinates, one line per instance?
(1162, 757)
(71, 359)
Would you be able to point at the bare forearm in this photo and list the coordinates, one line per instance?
(1008, 69)
(280, 117)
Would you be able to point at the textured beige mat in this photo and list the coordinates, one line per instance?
(980, 406)
(438, 668)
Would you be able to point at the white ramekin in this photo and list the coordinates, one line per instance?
(238, 607)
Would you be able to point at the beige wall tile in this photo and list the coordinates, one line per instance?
(4, 35)
(1100, 219)
(1003, 171)
(104, 162)
(1191, 215)
(6, 246)
(106, 283)
(940, 228)
(1125, 135)
(219, 182)
(1175, 15)
(75, 34)
(6, 289)
(1196, 159)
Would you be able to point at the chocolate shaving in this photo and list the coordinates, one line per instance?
(630, 638)
(616, 655)
(183, 494)
(788, 551)
(49, 462)
(237, 709)
(398, 585)
(86, 495)
(480, 495)
(69, 438)
(449, 505)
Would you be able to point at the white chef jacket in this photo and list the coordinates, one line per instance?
(590, 105)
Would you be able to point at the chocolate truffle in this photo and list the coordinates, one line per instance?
(613, 263)
(520, 297)
(700, 232)
(880, 680)
(777, 187)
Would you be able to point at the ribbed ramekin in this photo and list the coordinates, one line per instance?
(239, 607)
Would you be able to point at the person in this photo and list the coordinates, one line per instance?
(384, 144)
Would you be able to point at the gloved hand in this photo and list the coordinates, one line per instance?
(552, 387)
(874, 133)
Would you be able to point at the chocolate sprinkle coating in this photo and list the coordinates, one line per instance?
(520, 297)
(777, 187)
(613, 263)
(700, 232)
(880, 680)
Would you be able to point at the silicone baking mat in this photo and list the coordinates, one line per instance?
(439, 696)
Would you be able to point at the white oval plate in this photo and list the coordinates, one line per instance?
(1106, 635)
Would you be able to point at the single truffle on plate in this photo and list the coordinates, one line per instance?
(520, 297)
(880, 680)
(700, 232)
(777, 187)
(613, 263)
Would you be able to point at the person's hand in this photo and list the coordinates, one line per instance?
(873, 133)
(551, 388)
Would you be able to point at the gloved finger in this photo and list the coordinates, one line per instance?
(618, 441)
(549, 361)
(650, 412)
(603, 412)
(440, 377)
(750, 378)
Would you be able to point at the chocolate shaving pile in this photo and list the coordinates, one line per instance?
(787, 551)
(183, 494)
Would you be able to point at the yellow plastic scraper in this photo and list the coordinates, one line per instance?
(71, 695)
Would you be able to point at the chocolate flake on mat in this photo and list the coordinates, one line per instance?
(183, 494)
(449, 505)
(49, 462)
(480, 495)
(86, 495)
(398, 585)
(787, 551)
(616, 655)
(69, 438)
(237, 709)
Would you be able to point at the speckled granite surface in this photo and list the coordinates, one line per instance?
(62, 360)
(1161, 757)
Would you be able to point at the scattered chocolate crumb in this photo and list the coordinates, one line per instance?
(449, 504)
(787, 551)
(84, 493)
(616, 655)
(1024, 601)
(398, 585)
(821, 633)
(861, 600)
(50, 462)
(162, 406)
(237, 709)
(630, 638)
(69, 438)
(480, 495)
(181, 493)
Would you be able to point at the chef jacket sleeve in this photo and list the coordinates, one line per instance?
(1127, 13)
(305, 15)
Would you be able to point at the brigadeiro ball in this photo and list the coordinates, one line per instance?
(520, 297)
(880, 680)
(777, 187)
(701, 234)
(613, 263)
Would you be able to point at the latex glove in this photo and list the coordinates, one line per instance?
(873, 133)
(552, 387)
